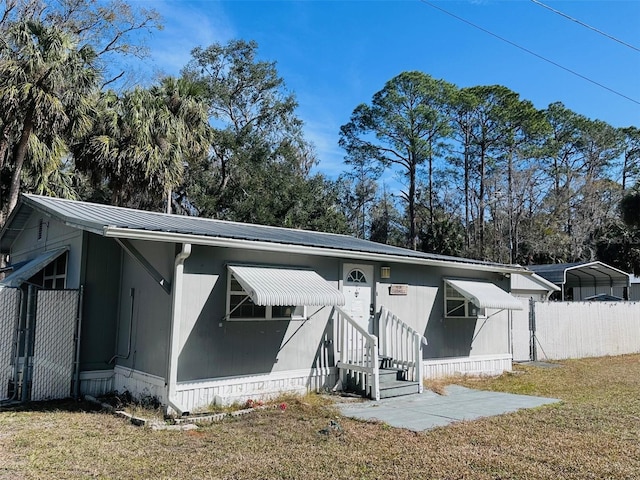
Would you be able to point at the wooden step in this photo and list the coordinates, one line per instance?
(391, 374)
(397, 388)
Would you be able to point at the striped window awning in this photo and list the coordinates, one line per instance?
(286, 286)
(30, 268)
(486, 295)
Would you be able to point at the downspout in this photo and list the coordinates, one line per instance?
(174, 340)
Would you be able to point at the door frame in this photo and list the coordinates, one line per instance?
(346, 267)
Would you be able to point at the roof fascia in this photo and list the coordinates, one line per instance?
(90, 227)
(135, 234)
(544, 282)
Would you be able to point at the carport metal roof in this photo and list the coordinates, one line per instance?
(582, 274)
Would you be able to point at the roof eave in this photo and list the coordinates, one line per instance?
(544, 282)
(18, 212)
(136, 234)
(93, 227)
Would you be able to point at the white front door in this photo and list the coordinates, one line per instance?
(357, 287)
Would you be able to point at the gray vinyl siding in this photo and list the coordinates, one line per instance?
(212, 347)
(151, 310)
(54, 235)
(423, 309)
(101, 272)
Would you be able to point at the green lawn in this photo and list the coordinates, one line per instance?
(594, 433)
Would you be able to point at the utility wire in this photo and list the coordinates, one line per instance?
(530, 52)
(611, 37)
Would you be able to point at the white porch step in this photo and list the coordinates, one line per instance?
(397, 388)
(391, 374)
(393, 383)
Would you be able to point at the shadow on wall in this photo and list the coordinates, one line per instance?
(325, 357)
(451, 337)
(219, 348)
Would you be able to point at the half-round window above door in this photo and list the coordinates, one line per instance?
(356, 276)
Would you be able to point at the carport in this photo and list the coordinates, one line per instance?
(585, 278)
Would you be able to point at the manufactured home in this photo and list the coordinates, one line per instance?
(194, 311)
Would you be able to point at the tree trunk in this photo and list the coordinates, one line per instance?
(412, 204)
(511, 208)
(431, 186)
(4, 145)
(625, 169)
(18, 161)
(481, 202)
(467, 206)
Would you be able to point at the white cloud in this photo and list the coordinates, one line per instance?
(187, 25)
(324, 137)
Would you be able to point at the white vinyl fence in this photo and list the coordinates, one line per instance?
(585, 329)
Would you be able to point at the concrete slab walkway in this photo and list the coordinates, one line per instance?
(429, 410)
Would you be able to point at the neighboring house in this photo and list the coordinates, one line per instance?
(582, 280)
(192, 310)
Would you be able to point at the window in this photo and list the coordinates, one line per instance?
(356, 276)
(53, 276)
(457, 306)
(241, 307)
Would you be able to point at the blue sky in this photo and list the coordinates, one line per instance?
(335, 55)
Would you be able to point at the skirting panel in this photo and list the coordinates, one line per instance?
(141, 385)
(474, 366)
(96, 382)
(225, 391)
(201, 394)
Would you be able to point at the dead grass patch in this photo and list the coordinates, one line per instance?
(439, 385)
(592, 434)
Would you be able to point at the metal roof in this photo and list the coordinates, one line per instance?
(286, 286)
(486, 295)
(122, 222)
(580, 274)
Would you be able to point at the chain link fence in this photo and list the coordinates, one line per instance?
(54, 344)
(9, 316)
